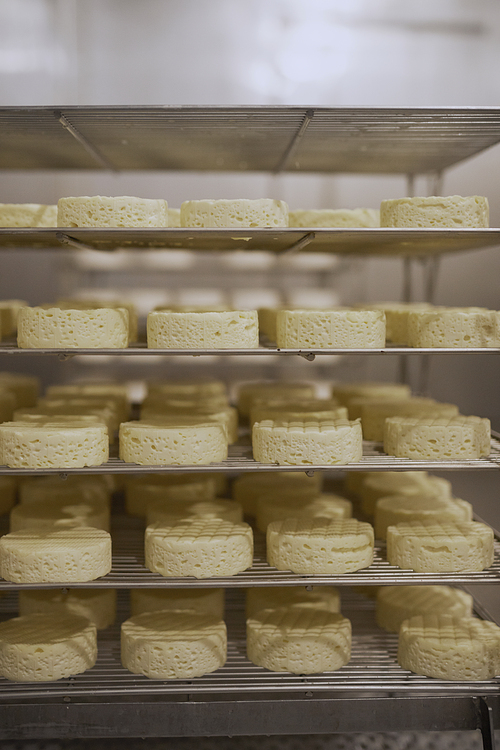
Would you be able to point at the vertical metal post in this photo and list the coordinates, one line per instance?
(486, 725)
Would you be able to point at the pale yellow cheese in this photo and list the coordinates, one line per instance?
(247, 488)
(318, 597)
(272, 507)
(374, 413)
(383, 483)
(142, 490)
(226, 416)
(453, 212)
(102, 406)
(315, 408)
(455, 326)
(96, 303)
(437, 439)
(338, 329)
(232, 329)
(403, 508)
(59, 514)
(335, 217)
(301, 640)
(115, 393)
(398, 603)
(104, 211)
(96, 605)
(173, 645)
(206, 601)
(173, 217)
(397, 316)
(263, 212)
(317, 546)
(203, 548)
(27, 215)
(53, 327)
(169, 513)
(43, 648)
(250, 392)
(345, 392)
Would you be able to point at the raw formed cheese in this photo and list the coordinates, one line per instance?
(454, 212)
(54, 328)
(72, 555)
(265, 390)
(398, 603)
(402, 509)
(46, 415)
(142, 490)
(96, 605)
(114, 393)
(169, 513)
(325, 505)
(173, 217)
(430, 547)
(187, 441)
(9, 311)
(96, 303)
(231, 329)
(27, 215)
(450, 648)
(247, 488)
(301, 640)
(454, 326)
(173, 645)
(314, 408)
(103, 211)
(317, 546)
(43, 648)
(59, 514)
(383, 483)
(99, 405)
(7, 405)
(335, 217)
(8, 489)
(319, 597)
(302, 442)
(53, 445)
(339, 329)
(203, 547)
(264, 212)
(345, 392)
(24, 387)
(397, 316)
(436, 439)
(374, 413)
(204, 601)
(227, 416)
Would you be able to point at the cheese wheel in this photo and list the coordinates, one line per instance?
(232, 329)
(454, 212)
(24, 387)
(318, 546)
(338, 329)
(140, 491)
(395, 509)
(263, 212)
(104, 211)
(187, 441)
(437, 439)
(301, 409)
(325, 505)
(320, 597)
(432, 547)
(447, 328)
(59, 514)
(301, 640)
(173, 645)
(96, 605)
(204, 601)
(384, 483)
(335, 217)
(43, 648)
(374, 413)
(450, 648)
(345, 392)
(249, 392)
(302, 442)
(203, 547)
(397, 316)
(115, 394)
(72, 555)
(55, 328)
(27, 215)
(8, 489)
(168, 514)
(398, 603)
(227, 416)
(248, 488)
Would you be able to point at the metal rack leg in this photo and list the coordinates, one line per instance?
(486, 725)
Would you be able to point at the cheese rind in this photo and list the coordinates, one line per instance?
(320, 597)
(345, 392)
(41, 648)
(450, 648)
(72, 555)
(436, 439)
(56, 328)
(316, 546)
(264, 212)
(27, 215)
(305, 442)
(226, 416)
(451, 327)
(104, 211)
(397, 317)
(398, 603)
(325, 505)
(232, 329)
(290, 410)
(204, 601)
(335, 217)
(432, 547)
(374, 413)
(395, 509)
(203, 547)
(299, 640)
(96, 605)
(453, 211)
(342, 329)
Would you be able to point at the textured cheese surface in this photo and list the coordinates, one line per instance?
(173, 217)
(100, 406)
(173, 645)
(264, 212)
(7, 405)
(104, 211)
(318, 546)
(434, 439)
(397, 316)
(168, 514)
(260, 390)
(53, 445)
(374, 413)
(384, 483)
(96, 605)
(447, 328)
(398, 603)
(43, 648)
(450, 648)
(320, 597)
(339, 217)
(186, 442)
(402, 509)
(231, 329)
(8, 489)
(53, 327)
(204, 601)
(27, 215)
(345, 392)
(272, 507)
(314, 408)
(304, 442)
(298, 640)
(72, 555)
(227, 416)
(140, 491)
(247, 488)
(59, 514)
(97, 303)
(342, 329)
(429, 547)
(24, 387)
(203, 547)
(452, 211)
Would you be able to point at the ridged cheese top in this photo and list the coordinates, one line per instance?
(434, 531)
(174, 626)
(442, 632)
(199, 529)
(425, 599)
(305, 621)
(43, 629)
(344, 532)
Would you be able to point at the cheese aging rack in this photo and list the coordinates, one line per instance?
(372, 693)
